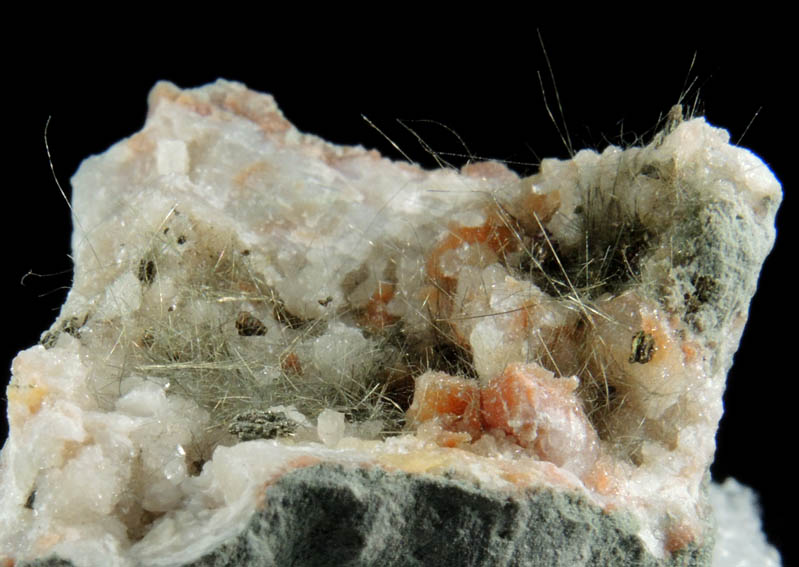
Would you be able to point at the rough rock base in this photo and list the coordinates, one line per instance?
(329, 515)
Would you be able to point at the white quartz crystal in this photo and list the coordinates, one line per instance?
(739, 541)
(249, 300)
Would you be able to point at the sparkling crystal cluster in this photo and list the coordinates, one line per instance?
(270, 335)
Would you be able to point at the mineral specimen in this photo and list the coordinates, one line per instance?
(278, 351)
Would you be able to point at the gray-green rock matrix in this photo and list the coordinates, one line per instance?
(330, 516)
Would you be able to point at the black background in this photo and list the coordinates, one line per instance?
(481, 81)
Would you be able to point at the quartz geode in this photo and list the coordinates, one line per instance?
(278, 351)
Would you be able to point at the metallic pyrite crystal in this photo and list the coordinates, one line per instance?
(278, 351)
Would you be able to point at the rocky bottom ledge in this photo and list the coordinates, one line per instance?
(333, 515)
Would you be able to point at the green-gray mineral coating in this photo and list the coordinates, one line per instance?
(259, 424)
(330, 515)
(52, 561)
(721, 249)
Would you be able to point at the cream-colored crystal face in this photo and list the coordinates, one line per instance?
(248, 298)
